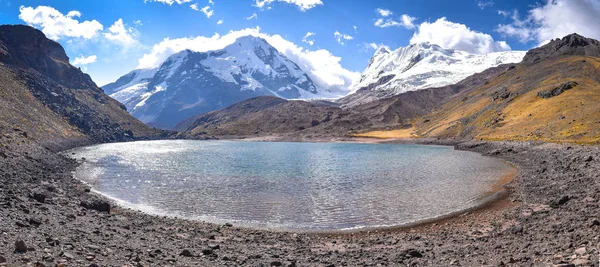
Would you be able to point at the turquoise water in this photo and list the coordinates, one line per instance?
(307, 186)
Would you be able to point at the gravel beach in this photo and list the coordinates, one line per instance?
(551, 217)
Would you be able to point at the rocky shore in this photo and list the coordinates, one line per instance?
(551, 217)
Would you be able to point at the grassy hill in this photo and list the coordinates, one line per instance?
(553, 95)
(512, 106)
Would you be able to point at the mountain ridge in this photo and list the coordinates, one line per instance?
(49, 100)
(553, 99)
(188, 83)
(420, 66)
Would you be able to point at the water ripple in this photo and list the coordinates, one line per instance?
(309, 186)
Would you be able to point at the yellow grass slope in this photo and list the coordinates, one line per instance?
(508, 107)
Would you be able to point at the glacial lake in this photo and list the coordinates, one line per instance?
(290, 186)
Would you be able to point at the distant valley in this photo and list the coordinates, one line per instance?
(552, 95)
(190, 83)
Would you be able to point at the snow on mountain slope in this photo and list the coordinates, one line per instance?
(189, 83)
(420, 66)
(130, 79)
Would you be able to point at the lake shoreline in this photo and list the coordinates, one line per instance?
(151, 203)
(550, 217)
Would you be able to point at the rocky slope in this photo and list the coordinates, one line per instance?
(264, 116)
(420, 66)
(189, 83)
(570, 45)
(47, 99)
(50, 219)
(268, 115)
(553, 96)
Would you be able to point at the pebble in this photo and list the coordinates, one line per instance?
(414, 253)
(517, 229)
(20, 246)
(185, 253)
(580, 251)
(581, 262)
(68, 255)
(207, 251)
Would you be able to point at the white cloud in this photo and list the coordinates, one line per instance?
(483, 4)
(138, 22)
(340, 37)
(355, 28)
(555, 19)
(84, 60)
(385, 21)
(55, 25)
(323, 67)
(407, 21)
(253, 16)
(169, 2)
(206, 10)
(457, 36)
(384, 12)
(504, 13)
(73, 13)
(119, 34)
(220, 22)
(302, 4)
(308, 41)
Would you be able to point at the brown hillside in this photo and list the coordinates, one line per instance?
(263, 116)
(49, 100)
(509, 107)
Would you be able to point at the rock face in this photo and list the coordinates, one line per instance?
(570, 45)
(25, 47)
(557, 90)
(49, 100)
(189, 83)
(420, 66)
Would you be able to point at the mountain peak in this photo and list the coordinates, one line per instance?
(251, 38)
(570, 45)
(250, 41)
(419, 66)
(382, 50)
(189, 83)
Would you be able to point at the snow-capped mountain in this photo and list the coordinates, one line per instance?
(421, 66)
(189, 83)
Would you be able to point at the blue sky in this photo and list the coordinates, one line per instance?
(111, 36)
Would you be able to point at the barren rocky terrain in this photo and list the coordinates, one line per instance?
(48, 218)
(551, 217)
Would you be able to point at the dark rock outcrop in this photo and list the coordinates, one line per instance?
(557, 90)
(27, 47)
(51, 100)
(570, 45)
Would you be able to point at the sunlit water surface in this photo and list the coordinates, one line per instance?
(302, 186)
